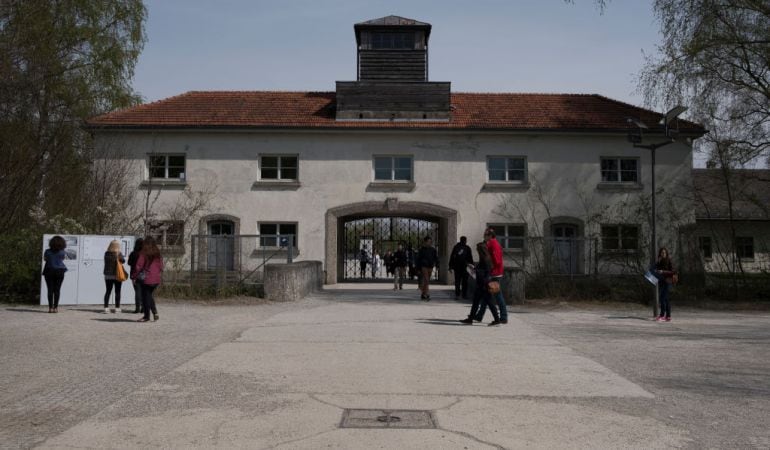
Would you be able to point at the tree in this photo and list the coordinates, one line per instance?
(715, 58)
(61, 61)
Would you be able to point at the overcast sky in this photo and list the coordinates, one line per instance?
(480, 45)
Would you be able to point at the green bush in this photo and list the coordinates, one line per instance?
(20, 256)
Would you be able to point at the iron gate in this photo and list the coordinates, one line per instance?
(369, 240)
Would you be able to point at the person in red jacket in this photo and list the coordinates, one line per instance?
(496, 274)
(149, 267)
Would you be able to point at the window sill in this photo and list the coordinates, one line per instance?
(176, 184)
(619, 187)
(504, 187)
(275, 185)
(391, 186)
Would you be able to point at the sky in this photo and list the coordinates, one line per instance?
(546, 46)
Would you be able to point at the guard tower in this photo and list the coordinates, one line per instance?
(392, 75)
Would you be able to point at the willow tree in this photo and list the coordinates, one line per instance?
(61, 61)
(715, 59)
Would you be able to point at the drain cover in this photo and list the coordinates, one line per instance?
(380, 418)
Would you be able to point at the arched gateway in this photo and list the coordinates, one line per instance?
(410, 217)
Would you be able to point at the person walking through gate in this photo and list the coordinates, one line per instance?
(149, 267)
(496, 274)
(481, 295)
(363, 259)
(53, 271)
(664, 269)
(112, 257)
(458, 263)
(376, 264)
(399, 267)
(132, 258)
(427, 259)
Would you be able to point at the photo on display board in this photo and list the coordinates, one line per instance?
(71, 252)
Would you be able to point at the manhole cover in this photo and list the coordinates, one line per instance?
(380, 418)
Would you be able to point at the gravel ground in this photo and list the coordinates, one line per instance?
(56, 370)
(709, 372)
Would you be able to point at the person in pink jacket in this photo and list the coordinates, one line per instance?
(149, 267)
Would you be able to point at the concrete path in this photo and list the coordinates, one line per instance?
(286, 381)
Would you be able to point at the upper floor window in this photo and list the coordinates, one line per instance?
(391, 40)
(393, 168)
(510, 236)
(507, 169)
(744, 247)
(620, 170)
(704, 243)
(277, 234)
(167, 167)
(620, 237)
(278, 167)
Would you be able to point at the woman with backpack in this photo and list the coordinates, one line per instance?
(149, 267)
(665, 272)
(112, 277)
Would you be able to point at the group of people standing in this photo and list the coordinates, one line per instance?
(145, 270)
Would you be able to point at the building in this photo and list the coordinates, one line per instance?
(732, 230)
(393, 156)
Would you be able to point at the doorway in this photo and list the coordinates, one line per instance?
(221, 245)
(565, 248)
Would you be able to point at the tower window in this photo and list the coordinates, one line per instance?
(391, 41)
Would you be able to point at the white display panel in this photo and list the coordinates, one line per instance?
(84, 280)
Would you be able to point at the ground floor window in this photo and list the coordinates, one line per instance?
(744, 247)
(620, 237)
(510, 236)
(277, 234)
(169, 234)
(704, 244)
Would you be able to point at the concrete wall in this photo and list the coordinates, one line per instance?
(291, 282)
(336, 169)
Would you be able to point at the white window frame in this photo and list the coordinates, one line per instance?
(280, 157)
(278, 232)
(619, 227)
(166, 166)
(393, 169)
(508, 159)
(619, 171)
(502, 233)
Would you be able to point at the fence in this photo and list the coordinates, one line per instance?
(233, 264)
(555, 256)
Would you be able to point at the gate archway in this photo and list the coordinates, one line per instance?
(443, 220)
(367, 242)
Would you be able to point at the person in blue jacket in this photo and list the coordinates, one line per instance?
(53, 271)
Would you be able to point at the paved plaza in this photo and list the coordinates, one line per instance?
(361, 366)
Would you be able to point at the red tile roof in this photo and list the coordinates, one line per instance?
(470, 111)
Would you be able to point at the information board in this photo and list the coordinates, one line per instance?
(84, 281)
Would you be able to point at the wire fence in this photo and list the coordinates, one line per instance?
(235, 263)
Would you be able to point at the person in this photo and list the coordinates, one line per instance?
(399, 267)
(664, 269)
(459, 261)
(410, 261)
(132, 258)
(387, 260)
(496, 274)
(112, 257)
(376, 264)
(149, 268)
(481, 295)
(363, 259)
(53, 271)
(427, 259)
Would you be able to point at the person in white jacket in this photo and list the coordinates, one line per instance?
(376, 264)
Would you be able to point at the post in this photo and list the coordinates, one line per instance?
(192, 260)
(654, 243)
(290, 250)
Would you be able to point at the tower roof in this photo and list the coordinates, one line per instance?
(393, 21)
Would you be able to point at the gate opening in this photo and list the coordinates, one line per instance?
(368, 243)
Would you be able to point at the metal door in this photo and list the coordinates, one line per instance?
(221, 245)
(366, 239)
(565, 248)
